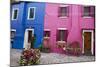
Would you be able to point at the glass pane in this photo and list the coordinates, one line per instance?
(31, 13)
(47, 33)
(87, 11)
(15, 14)
(62, 35)
(63, 11)
(12, 34)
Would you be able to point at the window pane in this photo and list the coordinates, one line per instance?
(87, 11)
(46, 33)
(31, 15)
(15, 14)
(63, 11)
(61, 35)
(93, 11)
(12, 34)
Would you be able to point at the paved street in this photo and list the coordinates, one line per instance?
(49, 58)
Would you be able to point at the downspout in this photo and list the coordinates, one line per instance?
(74, 34)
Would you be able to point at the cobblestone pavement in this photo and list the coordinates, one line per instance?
(49, 58)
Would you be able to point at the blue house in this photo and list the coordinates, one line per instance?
(27, 20)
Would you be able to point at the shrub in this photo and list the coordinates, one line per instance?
(74, 48)
(30, 57)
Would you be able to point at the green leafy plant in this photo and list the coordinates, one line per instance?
(44, 49)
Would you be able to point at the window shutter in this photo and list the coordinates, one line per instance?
(59, 12)
(67, 11)
(92, 11)
(66, 35)
(83, 12)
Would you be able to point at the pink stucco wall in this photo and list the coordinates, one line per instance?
(74, 23)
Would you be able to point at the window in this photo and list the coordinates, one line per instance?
(46, 33)
(12, 35)
(89, 11)
(61, 35)
(15, 14)
(63, 11)
(31, 13)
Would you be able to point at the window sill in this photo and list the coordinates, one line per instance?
(87, 17)
(63, 17)
(61, 42)
(46, 37)
(13, 19)
(30, 18)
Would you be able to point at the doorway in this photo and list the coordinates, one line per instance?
(28, 38)
(88, 42)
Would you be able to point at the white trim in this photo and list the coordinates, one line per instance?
(13, 30)
(63, 17)
(87, 17)
(62, 28)
(46, 29)
(29, 13)
(64, 5)
(13, 13)
(61, 41)
(92, 40)
(26, 44)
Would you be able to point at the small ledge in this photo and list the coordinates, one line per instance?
(46, 37)
(61, 42)
(87, 17)
(63, 17)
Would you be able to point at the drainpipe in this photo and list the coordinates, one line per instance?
(75, 31)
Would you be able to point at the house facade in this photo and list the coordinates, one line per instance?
(53, 25)
(27, 19)
(68, 23)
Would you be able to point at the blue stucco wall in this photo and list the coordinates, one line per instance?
(22, 23)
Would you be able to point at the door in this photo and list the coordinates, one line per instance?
(13, 32)
(28, 38)
(87, 43)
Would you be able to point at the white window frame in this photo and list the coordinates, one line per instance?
(13, 13)
(92, 40)
(29, 13)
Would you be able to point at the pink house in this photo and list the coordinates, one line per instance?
(68, 23)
